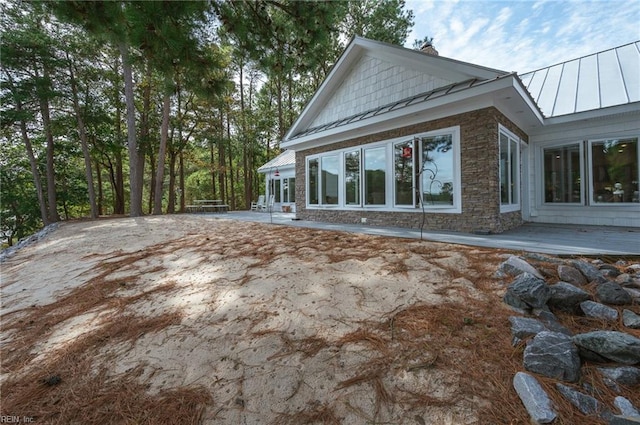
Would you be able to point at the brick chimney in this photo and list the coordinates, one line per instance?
(427, 47)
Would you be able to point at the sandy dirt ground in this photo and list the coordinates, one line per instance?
(138, 320)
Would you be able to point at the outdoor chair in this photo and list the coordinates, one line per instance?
(272, 199)
(259, 205)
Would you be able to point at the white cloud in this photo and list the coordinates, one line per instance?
(524, 35)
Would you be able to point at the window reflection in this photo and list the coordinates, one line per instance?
(374, 168)
(437, 170)
(615, 171)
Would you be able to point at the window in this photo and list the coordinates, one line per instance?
(276, 190)
(614, 171)
(375, 176)
(509, 170)
(289, 190)
(329, 183)
(403, 173)
(312, 189)
(438, 176)
(562, 175)
(409, 173)
(352, 177)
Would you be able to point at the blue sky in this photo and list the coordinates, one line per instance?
(523, 35)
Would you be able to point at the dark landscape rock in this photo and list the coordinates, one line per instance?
(528, 289)
(612, 293)
(585, 403)
(625, 407)
(609, 270)
(524, 327)
(551, 321)
(554, 355)
(616, 346)
(623, 420)
(634, 293)
(598, 311)
(534, 398)
(566, 297)
(624, 375)
(630, 319)
(624, 279)
(515, 266)
(591, 272)
(571, 275)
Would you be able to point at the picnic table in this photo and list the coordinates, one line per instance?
(207, 205)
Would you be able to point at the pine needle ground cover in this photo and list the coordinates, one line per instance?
(192, 319)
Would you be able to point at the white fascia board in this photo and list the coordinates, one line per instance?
(474, 98)
(594, 113)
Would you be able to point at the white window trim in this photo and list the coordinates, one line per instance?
(389, 206)
(505, 208)
(589, 182)
(583, 186)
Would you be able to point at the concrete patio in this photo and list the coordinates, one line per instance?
(531, 237)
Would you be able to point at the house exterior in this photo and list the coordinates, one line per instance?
(280, 181)
(401, 137)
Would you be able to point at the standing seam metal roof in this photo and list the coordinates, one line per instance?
(599, 80)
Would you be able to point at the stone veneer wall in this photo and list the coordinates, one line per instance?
(480, 178)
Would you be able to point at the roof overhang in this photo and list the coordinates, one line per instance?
(420, 61)
(506, 93)
(594, 114)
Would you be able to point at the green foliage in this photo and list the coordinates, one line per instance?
(238, 73)
(19, 213)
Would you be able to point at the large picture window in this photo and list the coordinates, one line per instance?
(562, 174)
(329, 186)
(437, 171)
(614, 171)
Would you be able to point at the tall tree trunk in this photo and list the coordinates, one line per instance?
(83, 141)
(232, 187)
(171, 208)
(212, 166)
(51, 178)
(118, 181)
(37, 182)
(182, 195)
(221, 159)
(280, 112)
(135, 179)
(100, 197)
(144, 144)
(162, 150)
(119, 204)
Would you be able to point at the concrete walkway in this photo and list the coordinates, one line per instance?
(531, 237)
